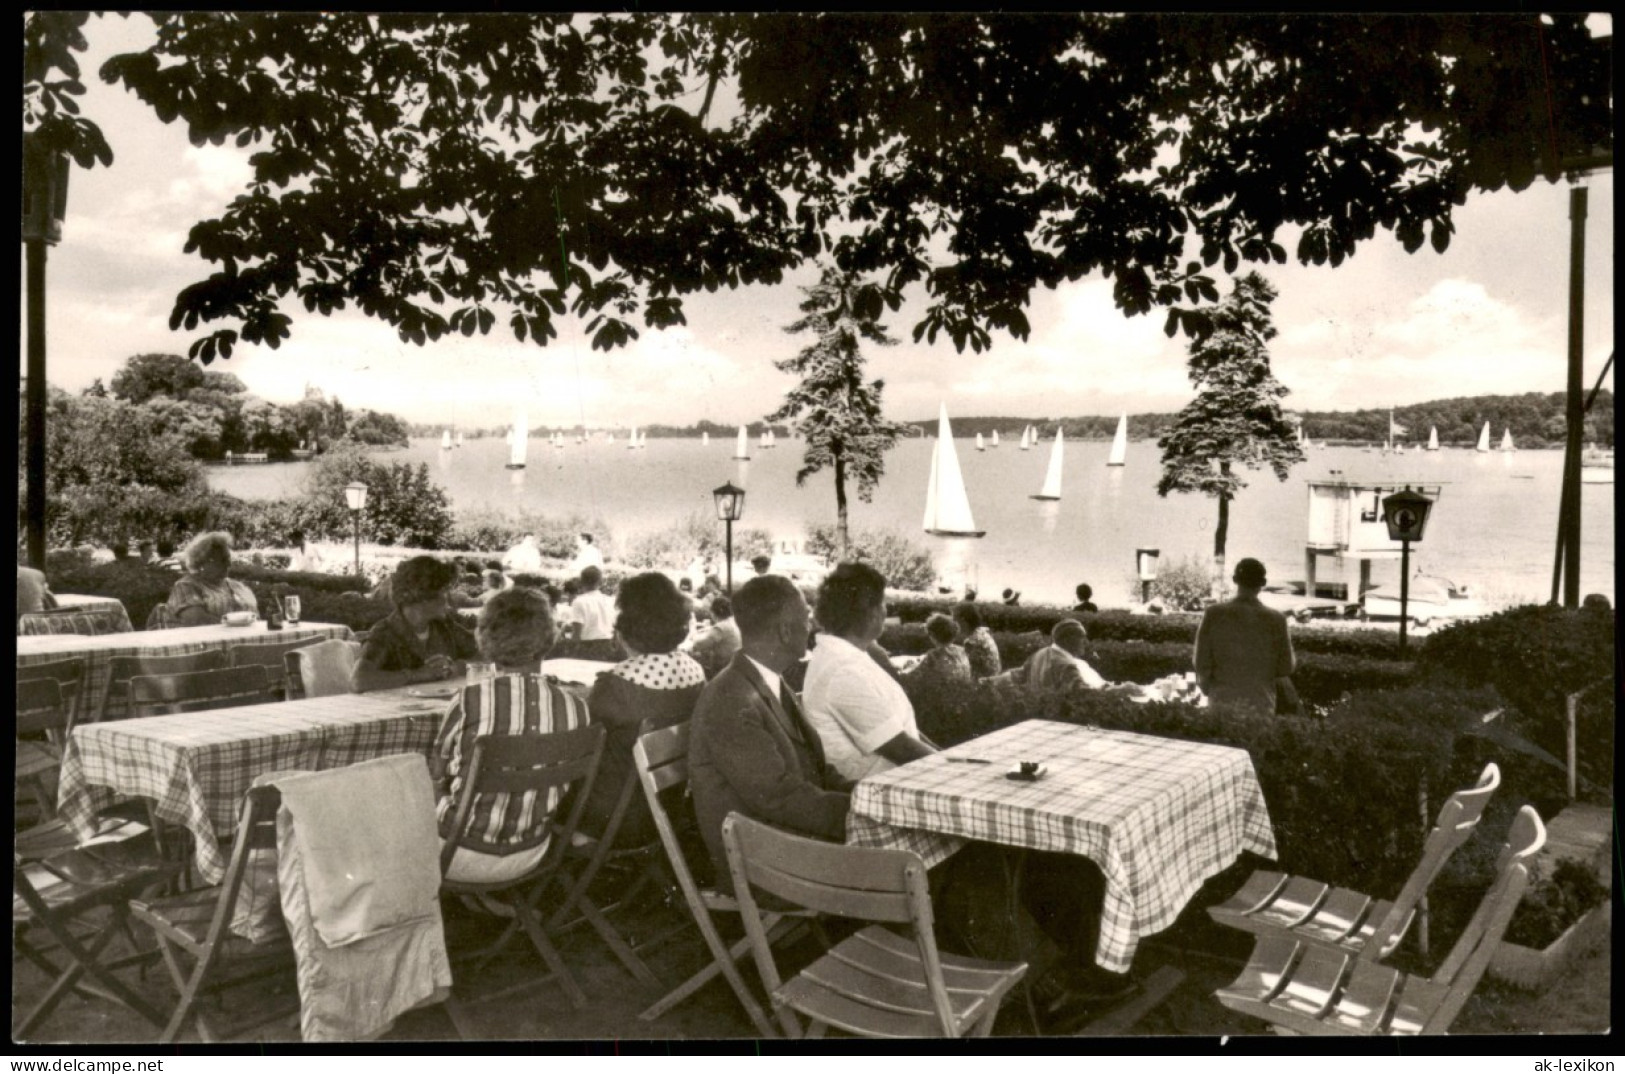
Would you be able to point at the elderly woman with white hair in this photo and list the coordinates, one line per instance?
(205, 593)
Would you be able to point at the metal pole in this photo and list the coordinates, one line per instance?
(1404, 590)
(1571, 703)
(357, 516)
(1422, 903)
(35, 402)
(728, 527)
(1576, 411)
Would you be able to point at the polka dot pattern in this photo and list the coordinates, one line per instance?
(660, 671)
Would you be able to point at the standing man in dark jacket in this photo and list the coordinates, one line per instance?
(750, 748)
(1243, 650)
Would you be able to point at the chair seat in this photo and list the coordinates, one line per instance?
(874, 983)
(79, 879)
(34, 758)
(186, 918)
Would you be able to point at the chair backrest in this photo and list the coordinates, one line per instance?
(866, 883)
(660, 759)
(1457, 819)
(40, 707)
(268, 654)
(547, 765)
(121, 669)
(322, 669)
(73, 620)
(69, 676)
(156, 695)
(1459, 973)
(256, 833)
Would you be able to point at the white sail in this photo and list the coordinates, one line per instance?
(772, 438)
(1506, 440)
(1052, 476)
(742, 447)
(632, 441)
(1119, 445)
(705, 439)
(947, 508)
(459, 438)
(1433, 438)
(1027, 438)
(981, 445)
(994, 442)
(445, 439)
(518, 441)
(1484, 438)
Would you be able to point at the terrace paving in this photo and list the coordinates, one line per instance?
(537, 1011)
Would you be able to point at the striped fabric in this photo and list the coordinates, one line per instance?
(195, 767)
(77, 615)
(506, 705)
(1158, 815)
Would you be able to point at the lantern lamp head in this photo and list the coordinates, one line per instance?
(355, 495)
(1145, 562)
(730, 502)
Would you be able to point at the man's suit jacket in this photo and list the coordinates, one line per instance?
(748, 754)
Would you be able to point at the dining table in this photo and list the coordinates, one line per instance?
(78, 613)
(99, 650)
(195, 767)
(1159, 816)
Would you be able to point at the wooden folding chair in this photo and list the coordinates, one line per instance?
(115, 684)
(548, 765)
(43, 719)
(660, 759)
(322, 669)
(69, 675)
(1301, 988)
(194, 937)
(270, 655)
(875, 983)
(226, 688)
(595, 853)
(59, 888)
(1274, 904)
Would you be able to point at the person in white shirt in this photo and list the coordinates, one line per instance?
(592, 619)
(587, 554)
(305, 556)
(1062, 666)
(524, 557)
(863, 717)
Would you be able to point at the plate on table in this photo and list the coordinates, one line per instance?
(1024, 777)
(238, 619)
(435, 693)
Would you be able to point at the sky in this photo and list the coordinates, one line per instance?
(1386, 328)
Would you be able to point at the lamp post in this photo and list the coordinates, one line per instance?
(1406, 514)
(355, 495)
(730, 508)
(1145, 565)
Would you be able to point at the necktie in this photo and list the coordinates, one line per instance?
(787, 700)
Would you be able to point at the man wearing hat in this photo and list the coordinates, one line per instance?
(1242, 648)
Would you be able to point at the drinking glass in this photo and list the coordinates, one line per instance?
(290, 610)
(479, 670)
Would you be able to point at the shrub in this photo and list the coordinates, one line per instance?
(1185, 586)
(905, 563)
(696, 536)
(404, 505)
(1554, 903)
(487, 530)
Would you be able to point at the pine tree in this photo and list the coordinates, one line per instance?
(837, 411)
(1236, 418)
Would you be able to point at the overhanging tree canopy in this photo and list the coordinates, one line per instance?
(435, 170)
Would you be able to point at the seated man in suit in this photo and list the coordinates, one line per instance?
(1062, 665)
(750, 749)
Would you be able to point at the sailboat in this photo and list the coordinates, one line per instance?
(1506, 440)
(445, 439)
(742, 446)
(705, 439)
(1433, 438)
(518, 441)
(765, 441)
(1027, 438)
(1119, 451)
(1052, 476)
(459, 438)
(643, 440)
(632, 441)
(947, 508)
(1484, 438)
(981, 445)
(994, 442)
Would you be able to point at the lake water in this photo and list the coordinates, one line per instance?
(1494, 527)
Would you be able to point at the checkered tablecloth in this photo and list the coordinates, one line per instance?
(98, 651)
(195, 767)
(76, 613)
(1158, 815)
